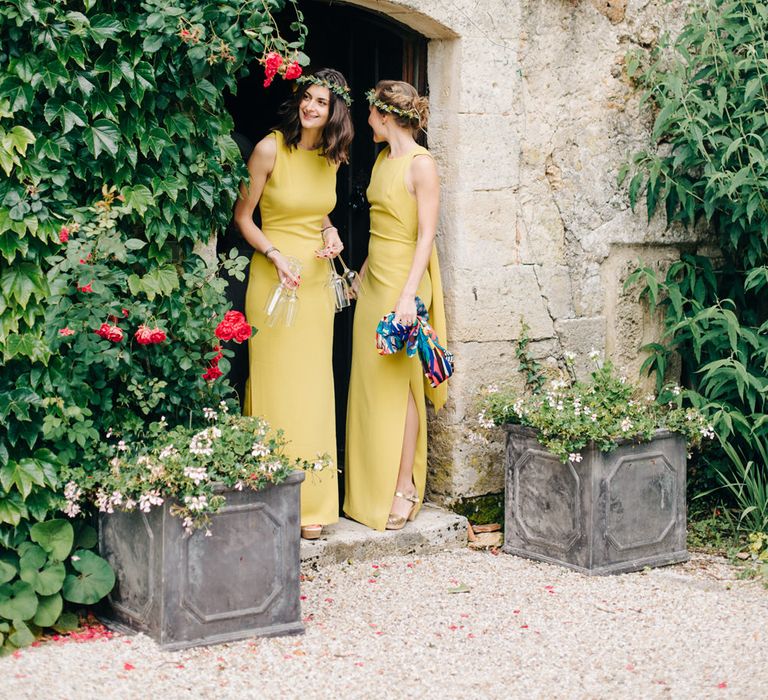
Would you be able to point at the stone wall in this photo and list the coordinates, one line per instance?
(533, 116)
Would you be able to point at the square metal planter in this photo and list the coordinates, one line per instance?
(187, 590)
(611, 513)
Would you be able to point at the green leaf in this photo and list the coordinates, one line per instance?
(138, 198)
(67, 622)
(21, 281)
(152, 43)
(12, 509)
(21, 636)
(17, 601)
(104, 27)
(24, 475)
(20, 138)
(7, 571)
(55, 537)
(48, 610)
(102, 136)
(95, 580)
(46, 580)
(86, 537)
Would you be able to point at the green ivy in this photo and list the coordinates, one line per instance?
(115, 148)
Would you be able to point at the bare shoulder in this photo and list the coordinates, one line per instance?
(423, 169)
(264, 154)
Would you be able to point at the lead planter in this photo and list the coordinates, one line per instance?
(186, 590)
(610, 513)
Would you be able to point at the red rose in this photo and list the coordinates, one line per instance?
(293, 71)
(242, 332)
(64, 234)
(115, 334)
(272, 62)
(212, 374)
(125, 313)
(86, 288)
(103, 330)
(225, 330)
(143, 335)
(157, 335)
(67, 331)
(234, 317)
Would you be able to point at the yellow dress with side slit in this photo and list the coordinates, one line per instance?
(379, 385)
(290, 381)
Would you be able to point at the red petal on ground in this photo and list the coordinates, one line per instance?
(128, 667)
(523, 627)
(722, 684)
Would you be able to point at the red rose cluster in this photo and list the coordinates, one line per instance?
(213, 372)
(149, 336)
(233, 327)
(110, 332)
(274, 63)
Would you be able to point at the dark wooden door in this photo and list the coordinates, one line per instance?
(366, 47)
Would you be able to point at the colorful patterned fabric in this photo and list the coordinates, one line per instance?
(421, 339)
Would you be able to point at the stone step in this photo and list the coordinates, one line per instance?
(434, 530)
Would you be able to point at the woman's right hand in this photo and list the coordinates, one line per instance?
(284, 274)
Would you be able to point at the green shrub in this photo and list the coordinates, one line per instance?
(115, 145)
(707, 167)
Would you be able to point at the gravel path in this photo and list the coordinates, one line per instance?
(401, 629)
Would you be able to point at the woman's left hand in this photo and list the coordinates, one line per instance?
(405, 311)
(333, 244)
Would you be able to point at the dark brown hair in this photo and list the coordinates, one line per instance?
(405, 97)
(337, 133)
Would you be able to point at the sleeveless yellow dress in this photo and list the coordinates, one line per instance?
(379, 385)
(290, 379)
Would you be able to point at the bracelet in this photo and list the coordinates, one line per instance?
(323, 230)
(269, 250)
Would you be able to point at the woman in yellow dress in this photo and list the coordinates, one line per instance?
(293, 182)
(386, 453)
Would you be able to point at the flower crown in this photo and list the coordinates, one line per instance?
(341, 91)
(384, 107)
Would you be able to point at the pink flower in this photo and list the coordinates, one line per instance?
(64, 234)
(86, 288)
(66, 331)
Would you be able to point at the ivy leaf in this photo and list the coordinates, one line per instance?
(102, 136)
(22, 281)
(69, 114)
(104, 27)
(24, 475)
(20, 137)
(12, 509)
(138, 198)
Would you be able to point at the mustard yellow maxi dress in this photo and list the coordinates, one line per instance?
(379, 385)
(290, 380)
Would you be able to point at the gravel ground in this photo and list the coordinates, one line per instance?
(459, 624)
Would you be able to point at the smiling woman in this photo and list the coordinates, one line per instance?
(293, 182)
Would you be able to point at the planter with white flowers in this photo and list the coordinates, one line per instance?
(202, 530)
(595, 473)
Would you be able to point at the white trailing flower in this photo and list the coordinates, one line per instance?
(484, 421)
(196, 503)
(223, 407)
(188, 525)
(129, 504)
(676, 390)
(121, 446)
(71, 509)
(201, 444)
(492, 389)
(103, 502)
(626, 425)
(273, 466)
(575, 457)
(708, 432)
(239, 486)
(569, 356)
(116, 498)
(197, 474)
(149, 499)
(72, 492)
(169, 451)
(259, 449)
(594, 354)
(209, 413)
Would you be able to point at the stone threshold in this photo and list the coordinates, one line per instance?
(434, 530)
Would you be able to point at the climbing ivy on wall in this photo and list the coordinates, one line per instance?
(708, 167)
(117, 162)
